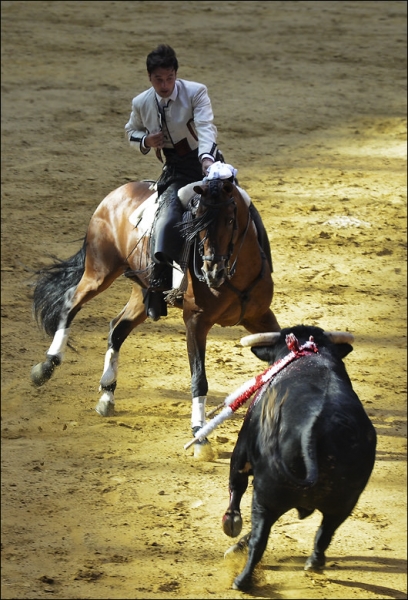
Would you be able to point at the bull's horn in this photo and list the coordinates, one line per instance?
(261, 339)
(340, 337)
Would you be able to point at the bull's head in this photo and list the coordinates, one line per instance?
(266, 347)
(271, 337)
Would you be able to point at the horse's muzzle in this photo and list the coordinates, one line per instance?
(214, 273)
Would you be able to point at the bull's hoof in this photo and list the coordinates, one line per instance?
(232, 523)
(314, 564)
(241, 546)
(42, 372)
(105, 408)
(242, 583)
(233, 550)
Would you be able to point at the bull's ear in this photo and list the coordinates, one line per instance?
(343, 350)
(265, 353)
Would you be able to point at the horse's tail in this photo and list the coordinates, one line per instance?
(52, 286)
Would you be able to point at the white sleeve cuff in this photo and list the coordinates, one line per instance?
(206, 156)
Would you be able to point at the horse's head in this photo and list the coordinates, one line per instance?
(215, 228)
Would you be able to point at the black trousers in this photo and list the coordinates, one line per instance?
(178, 171)
(167, 240)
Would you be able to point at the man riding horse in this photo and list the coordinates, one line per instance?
(175, 117)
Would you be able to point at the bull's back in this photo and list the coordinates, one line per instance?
(318, 421)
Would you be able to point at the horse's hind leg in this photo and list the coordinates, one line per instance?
(42, 372)
(120, 327)
(69, 304)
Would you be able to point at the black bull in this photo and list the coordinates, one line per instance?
(306, 440)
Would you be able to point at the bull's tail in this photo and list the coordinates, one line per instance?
(270, 432)
(52, 286)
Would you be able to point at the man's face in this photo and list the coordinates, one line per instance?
(163, 81)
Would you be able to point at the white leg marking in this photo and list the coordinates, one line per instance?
(110, 369)
(59, 343)
(198, 411)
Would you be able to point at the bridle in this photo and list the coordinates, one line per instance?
(224, 258)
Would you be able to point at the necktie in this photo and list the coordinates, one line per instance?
(162, 105)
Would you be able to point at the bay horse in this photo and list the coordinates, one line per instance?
(227, 278)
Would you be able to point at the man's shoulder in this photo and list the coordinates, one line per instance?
(144, 97)
(191, 86)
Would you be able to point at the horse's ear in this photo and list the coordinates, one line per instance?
(228, 186)
(198, 190)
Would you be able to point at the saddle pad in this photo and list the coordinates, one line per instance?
(143, 216)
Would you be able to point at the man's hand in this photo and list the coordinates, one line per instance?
(206, 164)
(154, 140)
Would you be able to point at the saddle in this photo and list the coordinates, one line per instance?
(144, 218)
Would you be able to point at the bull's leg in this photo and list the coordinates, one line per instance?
(120, 327)
(240, 469)
(196, 333)
(323, 537)
(262, 521)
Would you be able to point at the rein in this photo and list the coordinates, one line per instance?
(231, 270)
(241, 395)
(245, 295)
(214, 257)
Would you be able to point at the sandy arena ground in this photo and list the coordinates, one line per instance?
(310, 103)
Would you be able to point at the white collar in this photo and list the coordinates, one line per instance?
(173, 96)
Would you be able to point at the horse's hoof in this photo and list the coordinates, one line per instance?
(105, 408)
(42, 373)
(203, 451)
(232, 523)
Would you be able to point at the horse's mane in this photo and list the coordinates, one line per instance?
(189, 229)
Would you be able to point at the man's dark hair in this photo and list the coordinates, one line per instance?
(162, 57)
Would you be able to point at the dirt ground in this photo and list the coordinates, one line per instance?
(310, 103)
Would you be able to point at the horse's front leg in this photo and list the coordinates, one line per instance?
(120, 327)
(196, 334)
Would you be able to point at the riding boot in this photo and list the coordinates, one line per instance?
(167, 242)
(155, 304)
(161, 277)
(166, 247)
